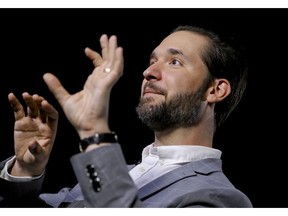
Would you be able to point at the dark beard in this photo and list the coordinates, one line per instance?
(183, 110)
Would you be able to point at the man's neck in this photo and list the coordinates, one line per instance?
(185, 136)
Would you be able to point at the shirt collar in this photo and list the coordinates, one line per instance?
(185, 153)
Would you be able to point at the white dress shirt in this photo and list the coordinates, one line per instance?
(157, 161)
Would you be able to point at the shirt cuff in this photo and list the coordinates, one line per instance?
(5, 175)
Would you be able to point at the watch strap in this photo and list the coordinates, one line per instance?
(97, 139)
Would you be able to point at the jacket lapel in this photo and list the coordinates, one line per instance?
(204, 166)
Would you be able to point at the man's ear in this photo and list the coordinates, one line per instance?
(219, 90)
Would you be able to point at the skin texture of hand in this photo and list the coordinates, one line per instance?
(34, 134)
(87, 110)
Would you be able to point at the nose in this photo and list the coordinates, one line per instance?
(153, 72)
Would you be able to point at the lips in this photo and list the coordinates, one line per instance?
(151, 91)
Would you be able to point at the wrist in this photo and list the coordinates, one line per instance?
(19, 170)
(91, 132)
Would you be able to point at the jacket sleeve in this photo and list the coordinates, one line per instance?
(19, 194)
(104, 178)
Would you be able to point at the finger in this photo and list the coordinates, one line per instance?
(119, 60)
(35, 148)
(41, 112)
(50, 114)
(37, 100)
(32, 107)
(56, 88)
(16, 106)
(104, 43)
(94, 56)
(112, 46)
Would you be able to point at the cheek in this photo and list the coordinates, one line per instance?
(179, 84)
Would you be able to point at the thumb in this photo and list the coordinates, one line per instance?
(55, 86)
(35, 148)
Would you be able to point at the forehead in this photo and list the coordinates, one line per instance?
(189, 43)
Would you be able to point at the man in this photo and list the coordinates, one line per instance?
(193, 82)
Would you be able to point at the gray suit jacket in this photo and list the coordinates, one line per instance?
(197, 184)
(104, 181)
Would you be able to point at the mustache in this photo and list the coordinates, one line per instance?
(155, 88)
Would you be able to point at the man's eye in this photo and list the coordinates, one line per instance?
(175, 62)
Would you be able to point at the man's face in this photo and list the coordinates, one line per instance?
(175, 83)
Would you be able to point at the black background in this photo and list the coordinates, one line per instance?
(253, 140)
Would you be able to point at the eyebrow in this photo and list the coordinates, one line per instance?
(171, 51)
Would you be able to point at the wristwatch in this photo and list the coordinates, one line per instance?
(97, 139)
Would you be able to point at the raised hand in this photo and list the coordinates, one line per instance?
(34, 134)
(87, 110)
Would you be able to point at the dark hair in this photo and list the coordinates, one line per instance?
(227, 61)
